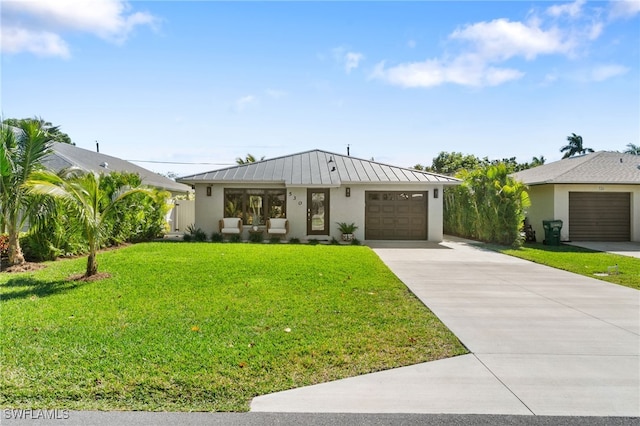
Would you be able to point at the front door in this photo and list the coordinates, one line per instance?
(318, 212)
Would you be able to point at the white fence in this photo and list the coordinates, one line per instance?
(182, 215)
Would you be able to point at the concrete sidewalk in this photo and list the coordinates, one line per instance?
(543, 342)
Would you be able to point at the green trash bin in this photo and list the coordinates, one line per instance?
(552, 232)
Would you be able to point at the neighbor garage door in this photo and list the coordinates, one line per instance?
(599, 216)
(395, 215)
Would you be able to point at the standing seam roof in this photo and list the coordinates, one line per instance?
(318, 168)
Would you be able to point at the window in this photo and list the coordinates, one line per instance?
(255, 206)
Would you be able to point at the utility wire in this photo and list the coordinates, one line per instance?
(177, 162)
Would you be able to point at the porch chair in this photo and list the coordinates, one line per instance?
(230, 225)
(277, 227)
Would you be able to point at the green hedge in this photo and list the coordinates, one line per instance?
(488, 206)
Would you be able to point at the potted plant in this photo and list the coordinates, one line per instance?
(347, 230)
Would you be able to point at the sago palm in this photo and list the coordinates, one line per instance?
(81, 193)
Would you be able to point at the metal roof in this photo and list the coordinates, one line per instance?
(597, 168)
(64, 155)
(317, 168)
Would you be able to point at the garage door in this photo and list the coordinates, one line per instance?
(599, 216)
(395, 215)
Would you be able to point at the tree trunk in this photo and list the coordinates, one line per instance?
(15, 251)
(92, 264)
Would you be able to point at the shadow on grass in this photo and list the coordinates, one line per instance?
(25, 287)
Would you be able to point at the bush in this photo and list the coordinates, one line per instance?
(4, 245)
(235, 238)
(194, 234)
(256, 237)
(37, 249)
(217, 237)
(294, 240)
(274, 240)
(488, 206)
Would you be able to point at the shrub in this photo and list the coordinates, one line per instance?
(194, 234)
(313, 242)
(235, 238)
(488, 206)
(294, 240)
(274, 239)
(256, 237)
(4, 245)
(217, 237)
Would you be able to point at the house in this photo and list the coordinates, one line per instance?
(64, 155)
(316, 189)
(597, 196)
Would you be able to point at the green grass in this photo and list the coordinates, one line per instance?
(206, 327)
(582, 261)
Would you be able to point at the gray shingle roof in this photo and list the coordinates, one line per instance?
(317, 168)
(598, 167)
(64, 155)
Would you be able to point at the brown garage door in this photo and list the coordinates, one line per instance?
(395, 215)
(599, 216)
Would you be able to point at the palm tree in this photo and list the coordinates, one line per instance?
(81, 192)
(574, 147)
(21, 151)
(538, 161)
(632, 149)
(248, 159)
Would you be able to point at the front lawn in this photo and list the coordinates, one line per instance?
(206, 327)
(594, 264)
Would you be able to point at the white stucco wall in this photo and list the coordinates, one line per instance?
(210, 209)
(542, 201)
(552, 202)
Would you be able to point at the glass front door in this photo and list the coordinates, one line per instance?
(318, 212)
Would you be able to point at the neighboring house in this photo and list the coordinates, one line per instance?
(597, 196)
(64, 155)
(316, 189)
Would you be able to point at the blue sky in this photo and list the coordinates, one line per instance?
(207, 81)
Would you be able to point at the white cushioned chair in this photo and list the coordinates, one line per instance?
(277, 227)
(230, 225)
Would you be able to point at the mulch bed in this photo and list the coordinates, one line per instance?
(25, 267)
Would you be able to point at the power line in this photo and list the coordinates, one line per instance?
(178, 162)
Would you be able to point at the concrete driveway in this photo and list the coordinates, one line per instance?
(543, 342)
(631, 249)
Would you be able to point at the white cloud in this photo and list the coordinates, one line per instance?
(245, 102)
(478, 52)
(605, 72)
(275, 94)
(624, 8)
(502, 39)
(350, 60)
(40, 43)
(411, 44)
(573, 10)
(43, 22)
(465, 71)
